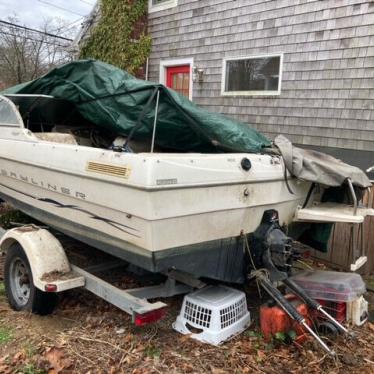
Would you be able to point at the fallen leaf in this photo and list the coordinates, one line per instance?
(5, 369)
(4, 359)
(217, 371)
(187, 368)
(246, 347)
(261, 354)
(185, 338)
(55, 357)
(19, 356)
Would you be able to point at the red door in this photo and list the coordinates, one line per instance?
(178, 78)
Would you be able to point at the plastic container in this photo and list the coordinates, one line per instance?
(331, 285)
(358, 311)
(273, 320)
(213, 314)
(335, 309)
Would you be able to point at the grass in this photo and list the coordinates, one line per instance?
(152, 352)
(31, 369)
(254, 334)
(30, 349)
(2, 289)
(5, 335)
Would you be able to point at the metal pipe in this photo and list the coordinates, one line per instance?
(147, 69)
(333, 320)
(320, 341)
(363, 249)
(155, 122)
(353, 195)
(139, 120)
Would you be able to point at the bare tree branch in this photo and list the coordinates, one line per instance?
(26, 54)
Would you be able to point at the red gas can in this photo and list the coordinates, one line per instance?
(274, 319)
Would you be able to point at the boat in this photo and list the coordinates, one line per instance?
(156, 208)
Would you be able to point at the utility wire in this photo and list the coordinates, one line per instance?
(35, 40)
(35, 30)
(60, 7)
(68, 27)
(87, 2)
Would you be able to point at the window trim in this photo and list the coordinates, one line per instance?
(162, 6)
(164, 64)
(251, 93)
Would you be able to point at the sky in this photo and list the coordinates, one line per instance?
(32, 13)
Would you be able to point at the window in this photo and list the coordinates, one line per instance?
(257, 75)
(157, 5)
(8, 114)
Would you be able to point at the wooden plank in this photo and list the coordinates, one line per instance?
(340, 246)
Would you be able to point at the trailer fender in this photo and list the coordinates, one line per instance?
(44, 253)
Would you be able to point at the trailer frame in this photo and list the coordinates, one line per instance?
(52, 272)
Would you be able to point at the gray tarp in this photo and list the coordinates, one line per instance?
(318, 167)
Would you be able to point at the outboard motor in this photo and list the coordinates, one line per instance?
(271, 248)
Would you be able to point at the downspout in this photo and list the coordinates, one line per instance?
(147, 69)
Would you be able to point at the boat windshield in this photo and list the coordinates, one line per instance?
(43, 112)
(8, 114)
(56, 120)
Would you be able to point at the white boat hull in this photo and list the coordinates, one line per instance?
(154, 210)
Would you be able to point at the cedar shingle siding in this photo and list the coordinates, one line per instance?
(327, 96)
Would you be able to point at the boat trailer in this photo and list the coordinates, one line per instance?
(52, 273)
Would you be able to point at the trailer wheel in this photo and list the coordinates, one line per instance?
(19, 287)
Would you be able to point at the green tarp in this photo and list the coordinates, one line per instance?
(113, 99)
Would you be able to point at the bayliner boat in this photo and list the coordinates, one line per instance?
(152, 199)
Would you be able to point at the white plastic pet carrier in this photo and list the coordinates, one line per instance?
(213, 314)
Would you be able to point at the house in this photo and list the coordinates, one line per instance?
(301, 68)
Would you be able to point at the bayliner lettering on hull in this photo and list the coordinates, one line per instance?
(46, 185)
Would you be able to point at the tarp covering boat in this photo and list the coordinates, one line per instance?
(323, 169)
(317, 167)
(113, 99)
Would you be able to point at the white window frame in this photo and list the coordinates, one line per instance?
(164, 64)
(162, 6)
(251, 93)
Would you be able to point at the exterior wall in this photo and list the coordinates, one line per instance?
(327, 96)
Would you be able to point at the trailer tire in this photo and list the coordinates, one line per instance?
(20, 290)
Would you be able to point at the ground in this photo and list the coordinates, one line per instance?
(87, 335)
